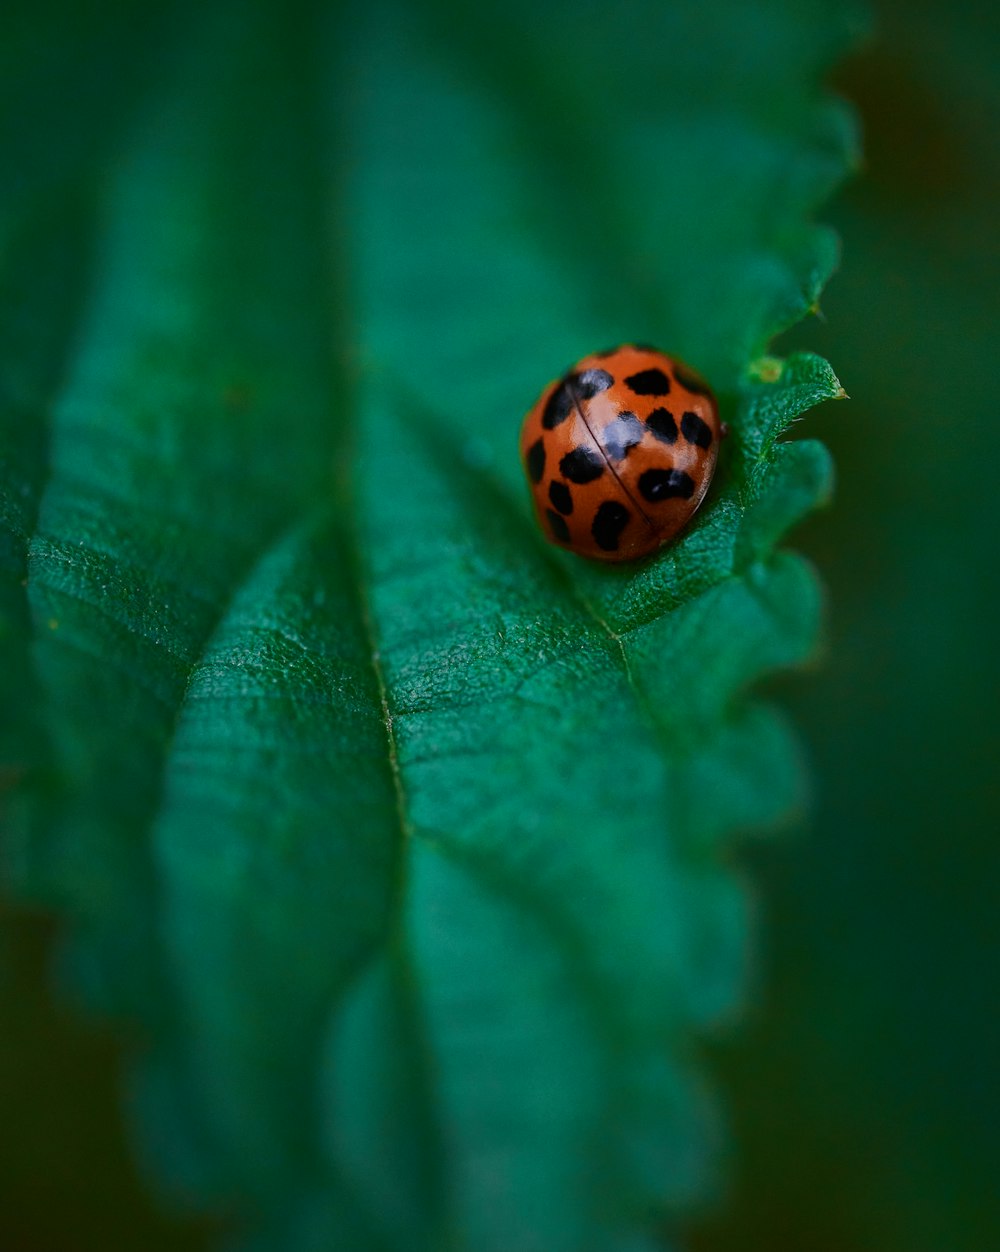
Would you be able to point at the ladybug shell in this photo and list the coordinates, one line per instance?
(619, 452)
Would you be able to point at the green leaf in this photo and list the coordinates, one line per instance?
(399, 833)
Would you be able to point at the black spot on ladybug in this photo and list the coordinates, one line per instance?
(561, 497)
(657, 485)
(691, 381)
(571, 390)
(558, 526)
(609, 522)
(621, 434)
(591, 382)
(695, 430)
(651, 382)
(559, 405)
(662, 424)
(582, 465)
(535, 461)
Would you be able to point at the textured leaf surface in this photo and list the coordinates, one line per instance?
(398, 831)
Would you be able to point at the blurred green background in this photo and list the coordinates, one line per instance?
(865, 1093)
(862, 1089)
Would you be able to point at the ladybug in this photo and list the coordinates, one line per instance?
(620, 451)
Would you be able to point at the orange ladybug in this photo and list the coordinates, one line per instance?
(620, 451)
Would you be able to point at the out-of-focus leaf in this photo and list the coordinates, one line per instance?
(398, 832)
